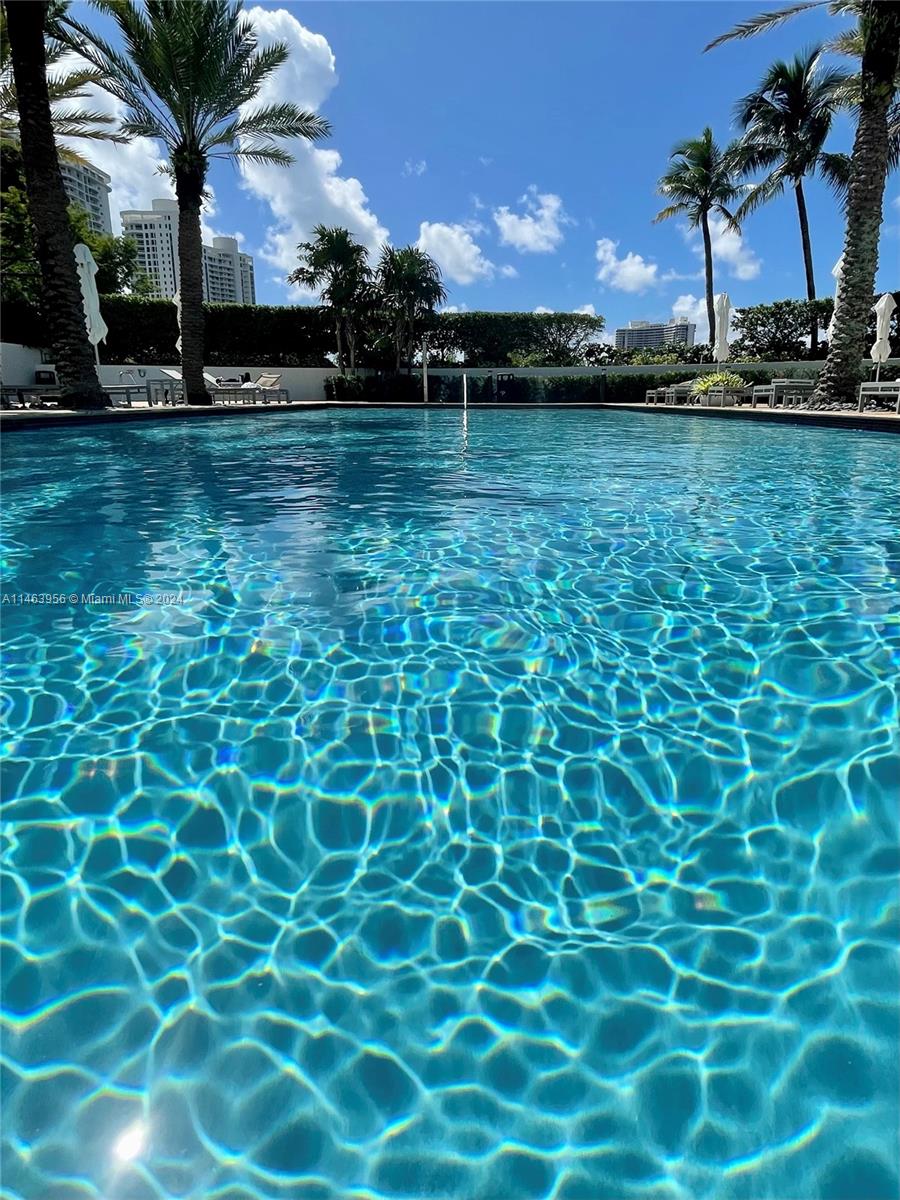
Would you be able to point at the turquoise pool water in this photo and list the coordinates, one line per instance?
(481, 809)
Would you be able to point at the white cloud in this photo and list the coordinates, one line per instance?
(311, 190)
(586, 310)
(629, 274)
(539, 230)
(414, 168)
(455, 308)
(509, 272)
(540, 309)
(728, 247)
(484, 160)
(455, 250)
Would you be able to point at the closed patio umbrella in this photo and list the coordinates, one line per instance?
(722, 311)
(87, 278)
(176, 300)
(881, 351)
(837, 271)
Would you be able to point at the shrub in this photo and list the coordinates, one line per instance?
(374, 389)
(716, 379)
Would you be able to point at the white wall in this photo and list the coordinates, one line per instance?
(18, 363)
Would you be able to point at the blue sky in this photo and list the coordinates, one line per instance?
(520, 143)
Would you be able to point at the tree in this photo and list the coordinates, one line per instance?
(188, 74)
(701, 180)
(337, 266)
(47, 203)
(63, 88)
(559, 340)
(786, 121)
(410, 287)
(879, 27)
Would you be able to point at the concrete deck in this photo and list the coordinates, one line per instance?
(38, 418)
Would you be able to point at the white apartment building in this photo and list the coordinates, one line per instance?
(641, 334)
(228, 276)
(89, 188)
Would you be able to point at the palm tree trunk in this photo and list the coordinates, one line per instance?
(189, 191)
(398, 341)
(808, 267)
(868, 170)
(62, 304)
(707, 259)
(351, 343)
(338, 329)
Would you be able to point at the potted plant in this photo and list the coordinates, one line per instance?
(719, 387)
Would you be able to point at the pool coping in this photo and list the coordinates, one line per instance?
(56, 418)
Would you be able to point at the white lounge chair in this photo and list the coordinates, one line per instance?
(884, 389)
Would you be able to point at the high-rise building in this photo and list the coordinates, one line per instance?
(644, 334)
(227, 273)
(228, 276)
(156, 234)
(89, 188)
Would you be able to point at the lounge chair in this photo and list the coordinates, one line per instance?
(788, 391)
(884, 389)
(654, 395)
(724, 397)
(678, 393)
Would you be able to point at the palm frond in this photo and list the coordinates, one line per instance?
(762, 22)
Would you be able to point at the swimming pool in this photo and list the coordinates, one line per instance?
(482, 807)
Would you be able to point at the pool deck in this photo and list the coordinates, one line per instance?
(37, 418)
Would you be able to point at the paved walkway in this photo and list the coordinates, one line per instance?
(36, 418)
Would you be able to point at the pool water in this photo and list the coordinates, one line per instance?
(483, 807)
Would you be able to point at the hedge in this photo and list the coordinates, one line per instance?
(145, 331)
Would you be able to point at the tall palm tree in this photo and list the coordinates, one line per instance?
(337, 266)
(186, 74)
(26, 22)
(64, 88)
(878, 24)
(409, 281)
(786, 121)
(701, 180)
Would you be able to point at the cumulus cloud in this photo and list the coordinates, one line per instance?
(312, 190)
(455, 251)
(586, 310)
(728, 248)
(509, 272)
(414, 168)
(539, 230)
(484, 160)
(540, 309)
(629, 274)
(454, 308)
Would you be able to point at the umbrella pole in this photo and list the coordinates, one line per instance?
(877, 371)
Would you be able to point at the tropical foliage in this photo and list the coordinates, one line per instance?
(716, 379)
(786, 121)
(702, 181)
(188, 75)
(20, 273)
(410, 287)
(64, 87)
(877, 34)
(26, 30)
(337, 266)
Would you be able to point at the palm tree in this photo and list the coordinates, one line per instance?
(701, 180)
(64, 87)
(878, 24)
(785, 122)
(26, 23)
(409, 281)
(337, 267)
(187, 73)
(836, 167)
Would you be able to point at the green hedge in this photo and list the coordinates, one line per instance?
(145, 331)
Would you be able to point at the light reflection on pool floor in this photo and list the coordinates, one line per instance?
(507, 809)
